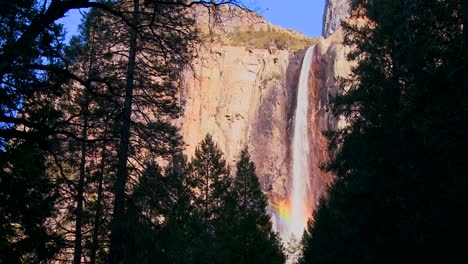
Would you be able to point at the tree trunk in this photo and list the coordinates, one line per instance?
(97, 216)
(81, 181)
(79, 197)
(116, 237)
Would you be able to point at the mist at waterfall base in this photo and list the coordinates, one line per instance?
(290, 216)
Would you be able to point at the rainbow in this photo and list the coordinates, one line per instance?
(281, 216)
(282, 220)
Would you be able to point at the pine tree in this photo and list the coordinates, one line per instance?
(27, 198)
(144, 219)
(149, 94)
(31, 129)
(209, 177)
(31, 76)
(182, 223)
(118, 215)
(245, 234)
(81, 162)
(162, 223)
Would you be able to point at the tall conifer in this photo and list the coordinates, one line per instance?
(209, 176)
(399, 192)
(245, 234)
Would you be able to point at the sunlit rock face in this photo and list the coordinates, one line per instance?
(243, 98)
(248, 97)
(335, 12)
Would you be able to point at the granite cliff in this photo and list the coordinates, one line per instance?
(335, 12)
(243, 92)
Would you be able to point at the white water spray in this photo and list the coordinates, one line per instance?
(300, 177)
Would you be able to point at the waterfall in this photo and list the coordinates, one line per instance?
(300, 188)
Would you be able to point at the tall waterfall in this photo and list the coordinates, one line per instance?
(300, 170)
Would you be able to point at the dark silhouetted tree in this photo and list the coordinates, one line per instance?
(400, 193)
(162, 222)
(27, 198)
(209, 177)
(245, 232)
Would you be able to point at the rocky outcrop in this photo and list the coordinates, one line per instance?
(335, 12)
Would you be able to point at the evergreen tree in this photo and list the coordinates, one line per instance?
(209, 177)
(94, 102)
(31, 75)
(183, 223)
(31, 129)
(82, 163)
(400, 190)
(144, 220)
(245, 234)
(161, 220)
(27, 198)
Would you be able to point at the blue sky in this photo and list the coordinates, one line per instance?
(301, 15)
